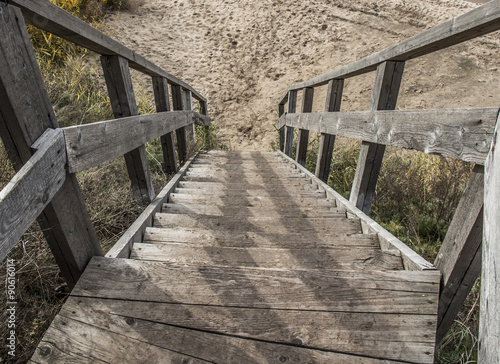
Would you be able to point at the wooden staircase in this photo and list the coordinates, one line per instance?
(249, 262)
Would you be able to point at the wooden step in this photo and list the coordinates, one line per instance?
(205, 237)
(276, 225)
(204, 311)
(244, 201)
(292, 258)
(249, 193)
(216, 184)
(201, 209)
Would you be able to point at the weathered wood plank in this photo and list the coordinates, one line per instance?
(269, 257)
(44, 15)
(384, 97)
(248, 192)
(327, 141)
(292, 106)
(281, 111)
(397, 292)
(160, 89)
(459, 258)
(257, 223)
(135, 232)
(190, 130)
(411, 260)
(264, 239)
(303, 139)
(489, 323)
(175, 327)
(75, 341)
(179, 103)
(202, 209)
(93, 144)
(121, 94)
(333, 331)
(32, 188)
(463, 134)
(25, 114)
(477, 22)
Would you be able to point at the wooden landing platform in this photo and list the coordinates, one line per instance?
(250, 261)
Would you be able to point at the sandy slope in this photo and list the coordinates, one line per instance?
(243, 55)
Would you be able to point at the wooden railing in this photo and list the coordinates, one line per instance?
(465, 134)
(47, 157)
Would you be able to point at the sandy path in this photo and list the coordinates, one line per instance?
(243, 55)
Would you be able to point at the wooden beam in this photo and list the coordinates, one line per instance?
(281, 131)
(489, 323)
(479, 21)
(190, 129)
(303, 140)
(459, 258)
(25, 114)
(411, 260)
(292, 107)
(90, 145)
(47, 16)
(384, 97)
(121, 94)
(32, 188)
(463, 134)
(135, 232)
(160, 88)
(327, 141)
(179, 103)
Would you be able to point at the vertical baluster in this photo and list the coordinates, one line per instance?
(281, 111)
(292, 106)
(178, 103)
(327, 141)
(303, 139)
(384, 97)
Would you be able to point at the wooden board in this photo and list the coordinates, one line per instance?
(292, 106)
(249, 192)
(93, 144)
(303, 139)
(398, 292)
(463, 134)
(338, 332)
(300, 257)
(258, 223)
(206, 237)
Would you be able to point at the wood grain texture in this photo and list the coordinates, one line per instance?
(303, 139)
(477, 22)
(292, 107)
(160, 89)
(459, 258)
(327, 141)
(55, 20)
(398, 292)
(93, 144)
(332, 331)
(489, 323)
(135, 232)
(462, 134)
(179, 103)
(384, 97)
(121, 94)
(25, 114)
(412, 261)
(32, 188)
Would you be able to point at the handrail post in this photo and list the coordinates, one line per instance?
(281, 111)
(292, 106)
(384, 97)
(121, 94)
(178, 103)
(25, 114)
(489, 321)
(327, 141)
(303, 139)
(160, 87)
(188, 105)
(459, 259)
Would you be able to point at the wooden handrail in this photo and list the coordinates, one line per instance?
(93, 144)
(51, 18)
(463, 134)
(32, 188)
(478, 22)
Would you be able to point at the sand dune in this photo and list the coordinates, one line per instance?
(243, 55)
